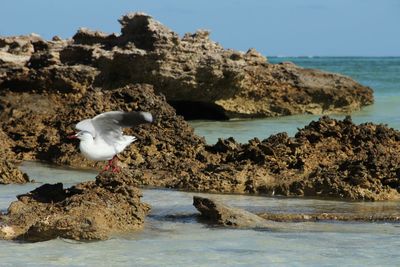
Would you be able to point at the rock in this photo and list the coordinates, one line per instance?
(199, 77)
(92, 210)
(217, 213)
(9, 172)
(370, 216)
(328, 158)
(42, 99)
(39, 127)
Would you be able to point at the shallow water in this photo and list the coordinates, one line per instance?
(174, 237)
(381, 74)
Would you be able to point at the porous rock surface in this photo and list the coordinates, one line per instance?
(199, 77)
(93, 210)
(327, 158)
(9, 172)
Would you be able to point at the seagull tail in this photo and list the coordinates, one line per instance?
(131, 139)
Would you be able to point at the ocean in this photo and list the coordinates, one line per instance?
(184, 241)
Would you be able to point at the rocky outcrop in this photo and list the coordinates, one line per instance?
(217, 213)
(199, 78)
(328, 158)
(92, 210)
(58, 85)
(39, 125)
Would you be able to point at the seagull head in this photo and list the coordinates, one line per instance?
(82, 135)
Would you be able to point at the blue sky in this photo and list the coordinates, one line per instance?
(274, 27)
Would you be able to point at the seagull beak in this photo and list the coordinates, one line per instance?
(72, 136)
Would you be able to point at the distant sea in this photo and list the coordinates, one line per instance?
(382, 74)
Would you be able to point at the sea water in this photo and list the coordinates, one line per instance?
(381, 74)
(173, 235)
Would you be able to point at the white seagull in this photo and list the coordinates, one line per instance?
(101, 138)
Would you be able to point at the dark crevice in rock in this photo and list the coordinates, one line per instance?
(197, 110)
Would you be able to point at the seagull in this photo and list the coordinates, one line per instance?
(101, 138)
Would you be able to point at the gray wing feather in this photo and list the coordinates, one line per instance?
(109, 124)
(86, 125)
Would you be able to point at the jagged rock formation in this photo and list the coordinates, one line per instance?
(92, 210)
(52, 86)
(39, 125)
(327, 158)
(199, 78)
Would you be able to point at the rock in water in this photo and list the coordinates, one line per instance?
(92, 210)
(217, 213)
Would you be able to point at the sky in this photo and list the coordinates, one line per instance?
(273, 27)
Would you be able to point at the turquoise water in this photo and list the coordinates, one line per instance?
(381, 74)
(174, 237)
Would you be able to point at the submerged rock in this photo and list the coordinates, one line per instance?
(92, 210)
(199, 77)
(217, 213)
(346, 217)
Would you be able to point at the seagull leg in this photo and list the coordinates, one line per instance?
(115, 168)
(107, 167)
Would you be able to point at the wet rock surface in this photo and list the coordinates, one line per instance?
(345, 217)
(199, 77)
(93, 210)
(217, 213)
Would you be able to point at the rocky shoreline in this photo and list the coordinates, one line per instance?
(48, 86)
(199, 78)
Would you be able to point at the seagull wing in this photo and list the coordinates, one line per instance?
(109, 125)
(87, 126)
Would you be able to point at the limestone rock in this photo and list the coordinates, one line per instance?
(198, 76)
(92, 210)
(217, 213)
